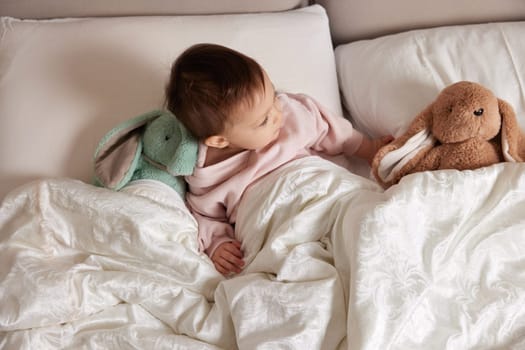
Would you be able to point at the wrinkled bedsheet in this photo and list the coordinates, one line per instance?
(333, 262)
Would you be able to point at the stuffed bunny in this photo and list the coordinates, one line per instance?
(154, 145)
(466, 127)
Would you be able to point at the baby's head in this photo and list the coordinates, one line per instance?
(223, 97)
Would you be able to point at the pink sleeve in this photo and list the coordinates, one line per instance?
(335, 134)
(212, 233)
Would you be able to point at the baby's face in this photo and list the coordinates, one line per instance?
(257, 125)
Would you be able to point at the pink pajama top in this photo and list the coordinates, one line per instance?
(215, 191)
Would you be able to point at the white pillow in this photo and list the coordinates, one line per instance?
(65, 83)
(386, 81)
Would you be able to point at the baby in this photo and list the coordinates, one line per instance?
(245, 130)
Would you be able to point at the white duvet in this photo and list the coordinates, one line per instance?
(333, 262)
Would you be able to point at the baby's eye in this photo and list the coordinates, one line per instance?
(264, 121)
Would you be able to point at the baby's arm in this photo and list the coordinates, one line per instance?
(216, 239)
(335, 134)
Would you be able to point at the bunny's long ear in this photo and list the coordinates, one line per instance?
(512, 139)
(399, 157)
(118, 153)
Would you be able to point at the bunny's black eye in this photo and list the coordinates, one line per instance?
(167, 137)
(478, 112)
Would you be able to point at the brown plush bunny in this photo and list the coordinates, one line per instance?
(466, 127)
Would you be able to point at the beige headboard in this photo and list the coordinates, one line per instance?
(87, 8)
(352, 20)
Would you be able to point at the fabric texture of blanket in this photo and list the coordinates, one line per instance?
(333, 262)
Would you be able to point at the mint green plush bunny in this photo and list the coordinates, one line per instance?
(154, 145)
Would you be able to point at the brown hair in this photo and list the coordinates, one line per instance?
(208, 83)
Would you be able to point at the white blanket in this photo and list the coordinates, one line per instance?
(333, 262)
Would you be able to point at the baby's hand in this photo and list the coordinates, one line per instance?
(369, 147)
(227, 258)
(380, 142)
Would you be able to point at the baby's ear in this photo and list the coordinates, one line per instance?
(217, 141)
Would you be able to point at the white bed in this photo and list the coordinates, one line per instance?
(334, 261)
